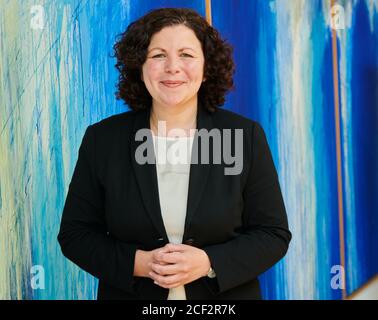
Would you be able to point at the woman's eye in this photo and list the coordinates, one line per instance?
(162, 55)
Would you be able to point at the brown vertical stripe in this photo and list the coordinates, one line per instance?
(338, 152)
(208, 11)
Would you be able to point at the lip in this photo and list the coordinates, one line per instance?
(172, 84)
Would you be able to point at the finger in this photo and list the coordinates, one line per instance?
(156, 254)
(165, 280)
(158, 262)
(164, 269)
(171, 257)
(166, 257)
(175, 247)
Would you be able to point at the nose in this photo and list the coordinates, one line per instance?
(172, 65)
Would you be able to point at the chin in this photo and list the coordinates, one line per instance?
(171, 104)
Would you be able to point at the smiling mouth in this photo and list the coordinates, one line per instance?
(172, 84)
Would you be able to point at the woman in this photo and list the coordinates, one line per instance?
(151, 229)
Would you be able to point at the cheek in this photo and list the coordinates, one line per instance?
(153, 70)
(194, 69)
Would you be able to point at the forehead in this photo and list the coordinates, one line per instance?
(175, 35)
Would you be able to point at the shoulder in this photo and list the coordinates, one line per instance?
(112, 130)
(114, 126)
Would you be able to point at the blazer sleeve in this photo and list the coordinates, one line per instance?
(83, 235)
(265, 237)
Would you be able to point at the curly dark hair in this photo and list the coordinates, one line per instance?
(131, 53)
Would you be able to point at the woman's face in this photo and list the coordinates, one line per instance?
(173, 70)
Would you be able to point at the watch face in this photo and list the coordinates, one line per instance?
(211, 273)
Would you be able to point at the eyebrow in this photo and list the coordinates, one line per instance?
(182, 49)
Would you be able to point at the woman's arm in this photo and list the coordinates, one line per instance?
(266, 236)
(83, 235)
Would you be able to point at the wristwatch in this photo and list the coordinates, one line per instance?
(211, 273)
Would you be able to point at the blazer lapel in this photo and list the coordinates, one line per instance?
(199, 173)
(147, 177)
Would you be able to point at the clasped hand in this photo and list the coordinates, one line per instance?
(177, 264)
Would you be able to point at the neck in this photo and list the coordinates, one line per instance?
(174, 118)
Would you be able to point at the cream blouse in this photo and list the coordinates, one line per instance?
(173, 168)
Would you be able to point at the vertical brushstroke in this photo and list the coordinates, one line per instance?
(358, 52)
(364, 139)
(208, 12)
(296, 144)
(344, 44)
(340, 201)
(15, 244)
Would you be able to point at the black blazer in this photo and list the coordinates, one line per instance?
(112, 209)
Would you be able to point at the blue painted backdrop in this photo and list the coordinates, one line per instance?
(58, 77)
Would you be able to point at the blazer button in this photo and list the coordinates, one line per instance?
(189, 242)
(160, 240)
